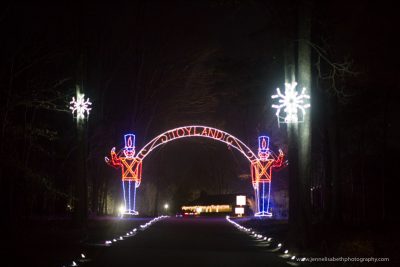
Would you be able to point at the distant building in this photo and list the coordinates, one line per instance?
(213, 205)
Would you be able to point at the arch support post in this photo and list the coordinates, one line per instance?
(261, 175)
(131, 168)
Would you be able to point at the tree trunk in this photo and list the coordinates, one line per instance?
(294, 197)
(334, 152)
(105, 201)
(300, 137)
(81, 205)
(80, 179)
(95, 191)
(304, 80)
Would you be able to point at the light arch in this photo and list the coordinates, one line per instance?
(261, 166)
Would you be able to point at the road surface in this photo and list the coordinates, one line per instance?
(186, 242)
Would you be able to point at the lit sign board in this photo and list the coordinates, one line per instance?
(241, 200)
(239, 210)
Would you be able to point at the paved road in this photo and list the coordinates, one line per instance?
(187, 242)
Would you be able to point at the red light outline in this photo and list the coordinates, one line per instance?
(197, 131)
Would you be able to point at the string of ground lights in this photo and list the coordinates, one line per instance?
(84, 258)
(272, 244)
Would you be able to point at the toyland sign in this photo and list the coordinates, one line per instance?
(261, 165)
(197, 131)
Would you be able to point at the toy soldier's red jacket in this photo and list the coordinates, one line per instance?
(131, 167)
(261, 171)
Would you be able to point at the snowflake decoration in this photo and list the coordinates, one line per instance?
(80, 105)
(291, 102)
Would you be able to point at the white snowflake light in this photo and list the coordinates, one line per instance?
(80, 106)
(291, 102)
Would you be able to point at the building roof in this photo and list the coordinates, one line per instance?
(204, 200)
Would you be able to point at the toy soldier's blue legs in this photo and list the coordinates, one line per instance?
(262, 192)
(129, 188)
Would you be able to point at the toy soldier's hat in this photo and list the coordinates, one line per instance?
(263, 144)
(129, 142)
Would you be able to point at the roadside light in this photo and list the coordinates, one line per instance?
(121, 209)
(166, 206)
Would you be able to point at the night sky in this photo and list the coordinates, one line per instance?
(150, 66)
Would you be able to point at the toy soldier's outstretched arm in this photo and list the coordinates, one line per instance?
(279, 161)
(115, 161)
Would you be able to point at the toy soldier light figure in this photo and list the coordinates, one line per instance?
(261, 173)
(131, 172)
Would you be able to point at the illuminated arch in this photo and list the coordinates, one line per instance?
(197, 131)
(261, 165)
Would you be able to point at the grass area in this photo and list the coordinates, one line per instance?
(54, 241)
(335, 241)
